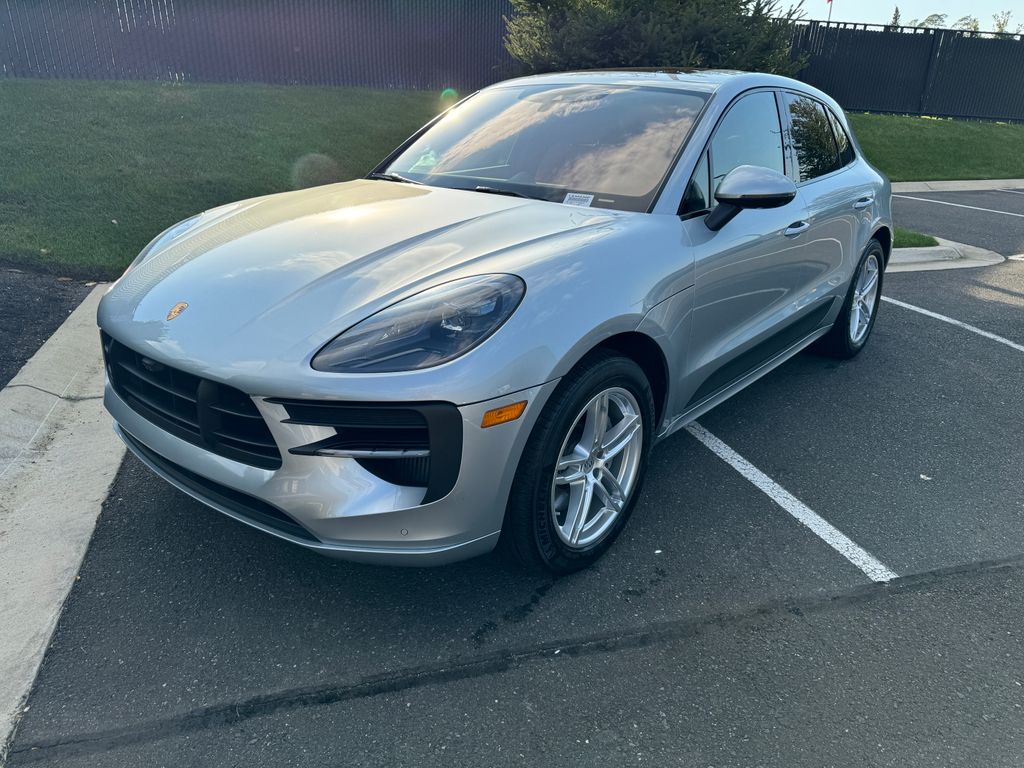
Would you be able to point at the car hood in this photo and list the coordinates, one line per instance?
(278, 276)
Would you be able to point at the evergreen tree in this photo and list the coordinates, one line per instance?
(549, 35)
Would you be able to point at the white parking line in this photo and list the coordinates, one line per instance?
(960, 205)
(1012, 191)
(873, 568)
(957, 323)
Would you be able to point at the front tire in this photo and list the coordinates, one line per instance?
(852, 328)
(582, 468)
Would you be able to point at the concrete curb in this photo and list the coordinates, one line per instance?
(968, 185)
(946, 255)
(58, 456)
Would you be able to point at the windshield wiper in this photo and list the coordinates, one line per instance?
(494, 191)
(393, 177)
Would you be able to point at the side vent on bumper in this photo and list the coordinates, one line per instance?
(414, 444)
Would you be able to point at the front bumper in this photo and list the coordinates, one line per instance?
(340, 508)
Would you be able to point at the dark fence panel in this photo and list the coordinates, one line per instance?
(942, 72)
(977, 77)
(373, 43)
(440, 43)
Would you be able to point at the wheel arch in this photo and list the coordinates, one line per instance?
(884, 236)
(645, 352)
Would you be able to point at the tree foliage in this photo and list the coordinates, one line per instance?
(1002, 22)
(816, 147)
(551, 35)
(931, 20)
(969, 23)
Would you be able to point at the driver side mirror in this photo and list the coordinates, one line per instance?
(749, 186)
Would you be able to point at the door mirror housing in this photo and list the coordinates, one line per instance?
(749, 186)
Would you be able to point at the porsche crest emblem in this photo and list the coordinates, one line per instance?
(177, 309)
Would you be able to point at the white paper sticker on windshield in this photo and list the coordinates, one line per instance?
(577, 198)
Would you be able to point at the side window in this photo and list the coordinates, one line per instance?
(815, 146)
(697, 198)
(749, 134)
(846, 155)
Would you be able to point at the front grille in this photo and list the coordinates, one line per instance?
(242, 504)
(412, 444)
(214, 416)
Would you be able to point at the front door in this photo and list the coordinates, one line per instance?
(748, 275)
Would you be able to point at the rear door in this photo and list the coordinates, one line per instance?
(749, 275)
(833, 199)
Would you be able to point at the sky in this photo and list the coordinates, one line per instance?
(880, 11)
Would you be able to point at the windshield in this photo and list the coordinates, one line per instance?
(592, 145)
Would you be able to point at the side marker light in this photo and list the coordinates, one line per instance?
(504, 414)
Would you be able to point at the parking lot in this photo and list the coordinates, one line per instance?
(719, 630)
(992, 219)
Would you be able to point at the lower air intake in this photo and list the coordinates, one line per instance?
(413, 444)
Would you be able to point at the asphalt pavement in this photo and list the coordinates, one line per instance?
(992, 219)
(718, 630)
(32, 307)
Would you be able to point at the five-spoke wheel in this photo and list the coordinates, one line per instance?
(856, 318)
(582, 468)
(865, 299)
(597, 467)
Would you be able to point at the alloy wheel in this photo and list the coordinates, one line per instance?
(597, 467)
(865, 299)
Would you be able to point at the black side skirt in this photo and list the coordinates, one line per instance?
(740, 366)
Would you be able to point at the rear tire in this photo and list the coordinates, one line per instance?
(560, 524)
(852, 328)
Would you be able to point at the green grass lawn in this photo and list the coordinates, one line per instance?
(90, 172)
(926, 149)
(906, 238)
(76, 157)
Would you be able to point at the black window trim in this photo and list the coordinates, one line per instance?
(794, 174)
(706, 153)
(787, 161)
(835, 120)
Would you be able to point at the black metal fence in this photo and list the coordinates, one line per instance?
(372, 43)
(458, 43)
(942, 72)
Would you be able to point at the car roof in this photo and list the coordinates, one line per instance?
(729, 81)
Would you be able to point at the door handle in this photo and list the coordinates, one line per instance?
(864, 202)
(796, 228)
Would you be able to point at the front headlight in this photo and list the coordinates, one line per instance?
(173, 231)
(424, 330)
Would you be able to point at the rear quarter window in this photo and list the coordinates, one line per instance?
(846, 154)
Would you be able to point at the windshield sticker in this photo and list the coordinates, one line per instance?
(577, 198)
